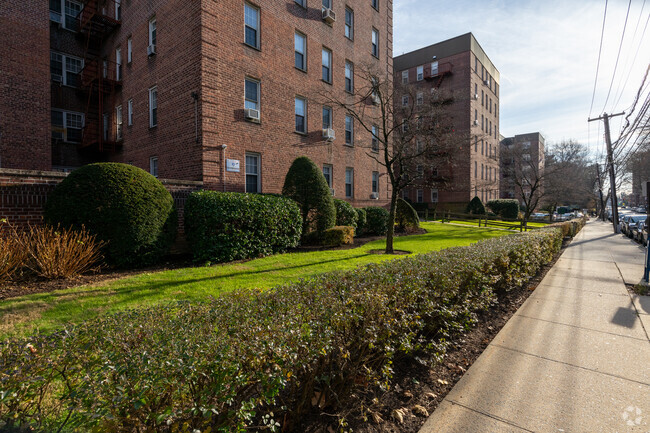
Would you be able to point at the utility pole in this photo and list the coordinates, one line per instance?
(600, 192)
(610, 162)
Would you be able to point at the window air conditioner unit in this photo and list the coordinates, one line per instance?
(486, 82)
(252, 114)
(476, 96)
(151, 50)
(375, 99)
(374, 196)
(329, 16)
(57, 79)
(328, 134)
(476, 123)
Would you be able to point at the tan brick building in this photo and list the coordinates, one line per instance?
(459, 67)
(224, 92)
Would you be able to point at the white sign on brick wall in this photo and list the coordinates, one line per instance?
(232, 165)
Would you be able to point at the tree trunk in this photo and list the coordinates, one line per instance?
(391, 223)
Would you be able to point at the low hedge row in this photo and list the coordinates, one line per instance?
(226, 226)
(338, 235)
(253, 358)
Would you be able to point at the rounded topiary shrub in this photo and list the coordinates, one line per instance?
(406, 218)
(306, 185)
(376, 220)
(475, 207)
(345, 214)
(361, 219)
(123, 205)
(225, 226)
(505, 208)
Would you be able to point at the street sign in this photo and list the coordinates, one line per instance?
(232, 165)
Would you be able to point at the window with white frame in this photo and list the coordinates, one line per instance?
(375, 4)
(405, 100)
(65, 12)
(129, 50)
(405, 77)
(251, 25)
(327, 172)
(153, 107)
(153, 166)
(349, 77)
(419, 196)
(65, 69)
(375, 42)
(420, 171)
(118, 64)
(327, 117)
(375, 182)
(118, 10)
(349, 182)
(419, 98)
(419, 146)
(300, 47)
(300, 2)
(253, 177)
(375, 138)
(118, 123)
(349, 23)
(105, 126)
(327, 4)
(349, 130)
(129, 112)
(420, 73)
(327, 65)
(251, 94)
(152, 31)
(67, 125)
(301, 115)
(434, 69)
(434, 195)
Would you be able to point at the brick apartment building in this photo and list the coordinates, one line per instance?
(459, 67)
(223, 92)
(522, 156)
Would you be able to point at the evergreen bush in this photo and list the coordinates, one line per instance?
(406, 218)
(345, 214)
(376, 220)
(361, 220)
(505, 208)
(475, 207)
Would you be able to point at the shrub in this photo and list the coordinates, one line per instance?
(376, 220)
(12, 254)
(505, 208)
(226, 226)
(338, 235)
(232, 362)
(306, 185)
(61, 252)
(406, 218)
(475, 207)
(122, 205)
(361, 219)
(345, 214)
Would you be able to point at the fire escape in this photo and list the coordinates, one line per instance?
(101, 79)
(438, 73)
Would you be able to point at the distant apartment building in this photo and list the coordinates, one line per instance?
(640, 167)
(223, 92)
(522, 165)
(459, 68)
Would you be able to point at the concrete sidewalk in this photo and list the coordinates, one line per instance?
(574, 358)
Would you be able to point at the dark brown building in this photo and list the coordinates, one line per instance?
(221, 92)
(460, 68)
(522, 157)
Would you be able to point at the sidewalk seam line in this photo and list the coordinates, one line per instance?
(494, 417)
(570, 365)
(581, 327)
(542, 285)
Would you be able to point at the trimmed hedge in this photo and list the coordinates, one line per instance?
(475, 207)
(361, 219)
(226, 226)
(251, 357)
(123, 205)
(339, 235)
(376, 220)
(406, 218)
(505, 208)
(345, 214)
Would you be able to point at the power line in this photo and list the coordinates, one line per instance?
(600, 50)
(620, 47)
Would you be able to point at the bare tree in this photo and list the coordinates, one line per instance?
(411, 128)
(526, 173)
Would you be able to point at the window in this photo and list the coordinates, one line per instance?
(349, 77)
(105, 125)
(55, 11)
(153, 107)
(327, 172)
(253, 173)
(375, 42)
(327, 65)
(375, 139)
(327, 117)
(301, 115)
(405, 77)
(300, 46)
(129, 50)
(490, 105)
(420, 196)
(482, 122)
(349, 182)
(475, 170)
(482, 172)
(420, 74)
(375, 4)
(118, 10)
(419, 98)
(66, 12)
(251, 94)
(434, 196)
(153, 166)
(405, 100)
(67, 126)
(349, 23)
(349, 130)
(300, 2)
(476, 64)
(118, 64)
(434, 69)
(327, 4)
(152, 32)
(420, 171)
(65, 69)
(129, 112)
(252, 26)
(476, 144)
(118, 122)
(375, 182)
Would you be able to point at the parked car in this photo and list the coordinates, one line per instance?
(637, 231)
(630, 222)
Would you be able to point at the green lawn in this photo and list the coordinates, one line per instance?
(48, 311)
(515, 225)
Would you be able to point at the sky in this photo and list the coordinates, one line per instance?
(547, 54)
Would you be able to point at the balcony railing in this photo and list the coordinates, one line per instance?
(442, 69)
(100, 17)
(103, 72)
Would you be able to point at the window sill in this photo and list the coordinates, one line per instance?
(349, 144)
(304, 71)
(254, 121)
(303, 134)
(326, 82)
(252, 46)
(153, 127)
(349, 92)
(375, 56)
